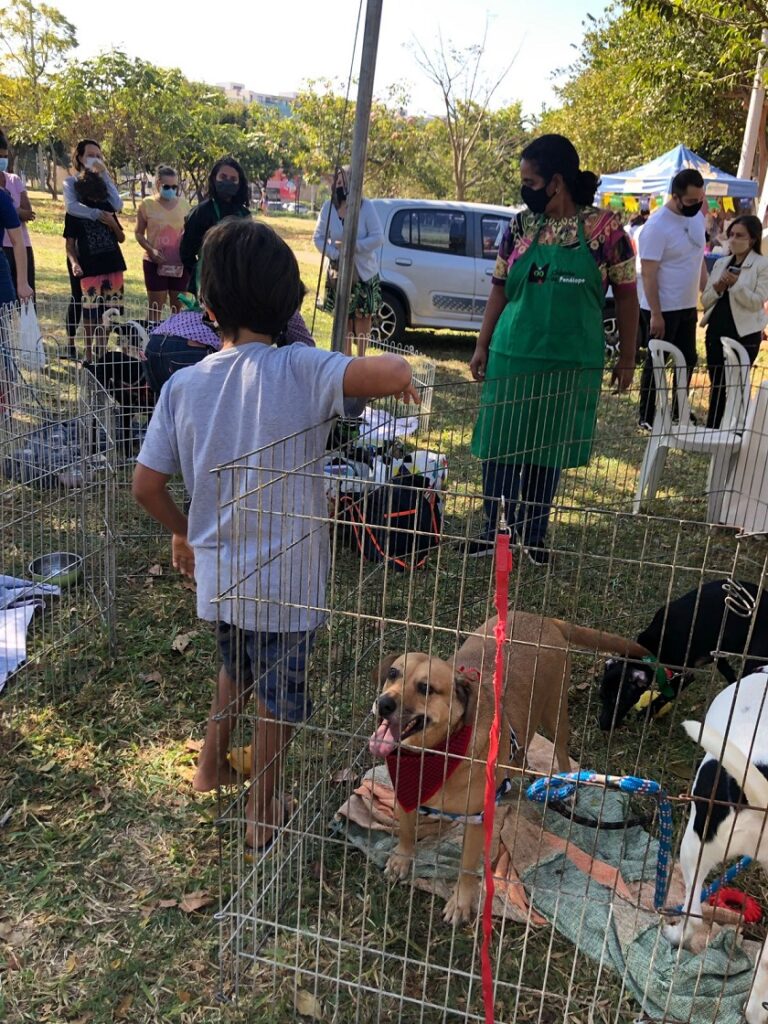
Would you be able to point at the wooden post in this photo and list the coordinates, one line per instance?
(359, 150)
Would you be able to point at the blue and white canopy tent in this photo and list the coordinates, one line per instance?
(655, 177)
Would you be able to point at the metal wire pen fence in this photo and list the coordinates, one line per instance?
(309, 924)
(57, 578)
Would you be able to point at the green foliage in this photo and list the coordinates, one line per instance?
(654, 73)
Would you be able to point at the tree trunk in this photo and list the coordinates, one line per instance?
(762, 150)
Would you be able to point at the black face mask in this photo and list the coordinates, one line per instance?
(226, 190)
(690, 211)
(341, 195)
(536, 199)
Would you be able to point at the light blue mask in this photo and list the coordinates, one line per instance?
(168, 191)
(3, 164)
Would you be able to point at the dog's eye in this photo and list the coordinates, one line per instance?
(393, 673)
(422, 688)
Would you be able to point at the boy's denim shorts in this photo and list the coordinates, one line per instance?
(275, 664)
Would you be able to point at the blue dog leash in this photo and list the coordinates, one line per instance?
(560, 787)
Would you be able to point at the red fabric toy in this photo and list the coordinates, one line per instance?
(735, 899)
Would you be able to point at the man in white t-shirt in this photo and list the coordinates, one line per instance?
(671, 250)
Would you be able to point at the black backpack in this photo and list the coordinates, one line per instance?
(398, 522)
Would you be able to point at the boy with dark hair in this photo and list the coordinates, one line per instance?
(274, 557)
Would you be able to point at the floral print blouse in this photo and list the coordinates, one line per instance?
(604, 233)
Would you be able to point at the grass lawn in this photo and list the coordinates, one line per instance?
(105, 838)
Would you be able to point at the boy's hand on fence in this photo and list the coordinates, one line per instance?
(410, 395)
(182, 556)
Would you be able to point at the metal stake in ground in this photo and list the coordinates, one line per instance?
(359, 150)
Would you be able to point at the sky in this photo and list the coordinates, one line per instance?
(237, 40)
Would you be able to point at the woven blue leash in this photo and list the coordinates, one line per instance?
(559, 787)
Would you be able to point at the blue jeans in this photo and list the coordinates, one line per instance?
(167, 353)
(528, 492)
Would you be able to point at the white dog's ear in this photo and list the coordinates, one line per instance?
(380, 672)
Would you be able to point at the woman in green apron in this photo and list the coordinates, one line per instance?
(541, 347)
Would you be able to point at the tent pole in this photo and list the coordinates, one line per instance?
(756, 101)
(359, 149)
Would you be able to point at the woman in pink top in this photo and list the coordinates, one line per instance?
(15, 187)
(159, 227)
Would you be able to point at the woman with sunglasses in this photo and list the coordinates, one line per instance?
(159, 229)
(733, 302)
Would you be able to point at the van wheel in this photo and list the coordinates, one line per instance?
(388, 322)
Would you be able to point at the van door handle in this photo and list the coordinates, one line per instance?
(401, 261)
(488, 272)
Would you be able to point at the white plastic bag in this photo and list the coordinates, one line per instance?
(31, 353)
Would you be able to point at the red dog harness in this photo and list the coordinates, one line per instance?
(418, 774)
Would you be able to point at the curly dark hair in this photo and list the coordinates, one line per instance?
(242, 197)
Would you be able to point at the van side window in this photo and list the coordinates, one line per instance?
(432, 230)
(492, 229)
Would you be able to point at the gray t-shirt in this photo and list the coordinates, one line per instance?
(259, 528)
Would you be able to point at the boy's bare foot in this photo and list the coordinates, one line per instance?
(270, 822)
(206, 780)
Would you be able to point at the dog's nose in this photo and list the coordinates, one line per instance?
(387, 706)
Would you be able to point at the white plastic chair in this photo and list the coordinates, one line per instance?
(738, 385)
(722, 444)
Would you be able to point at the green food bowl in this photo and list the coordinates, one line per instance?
(61, 568)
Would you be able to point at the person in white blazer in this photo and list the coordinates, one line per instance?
(365, 297)
(734, 304)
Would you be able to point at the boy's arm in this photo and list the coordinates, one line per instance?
(150, 491)
(379, 376)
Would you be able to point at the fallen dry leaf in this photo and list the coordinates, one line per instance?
(155, 570)
(123, 1008)
(195, 901)
(16, 934)
(183, 996)
(194, 745)
(151, 677)
(307, 1005)
(182, 642)
(165, 904)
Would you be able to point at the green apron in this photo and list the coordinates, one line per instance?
(545, 362)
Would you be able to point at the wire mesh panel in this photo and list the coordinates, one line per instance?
(57, 578)
(398, 652)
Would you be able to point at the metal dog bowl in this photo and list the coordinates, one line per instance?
(60, 567)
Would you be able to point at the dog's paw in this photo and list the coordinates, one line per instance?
(690, 935)
(399, 865)
(460, 907)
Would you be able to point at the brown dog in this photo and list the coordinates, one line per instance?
(435, 720)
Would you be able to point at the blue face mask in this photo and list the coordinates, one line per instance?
(3, 164)
(168, 191)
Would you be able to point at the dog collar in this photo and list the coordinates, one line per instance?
(418, 774)
(663, 677)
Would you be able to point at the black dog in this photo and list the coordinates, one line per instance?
(682, 635)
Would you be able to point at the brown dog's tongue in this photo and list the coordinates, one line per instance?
(383, 742)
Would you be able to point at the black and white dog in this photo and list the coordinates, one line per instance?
(723, 614)
(734, 773)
